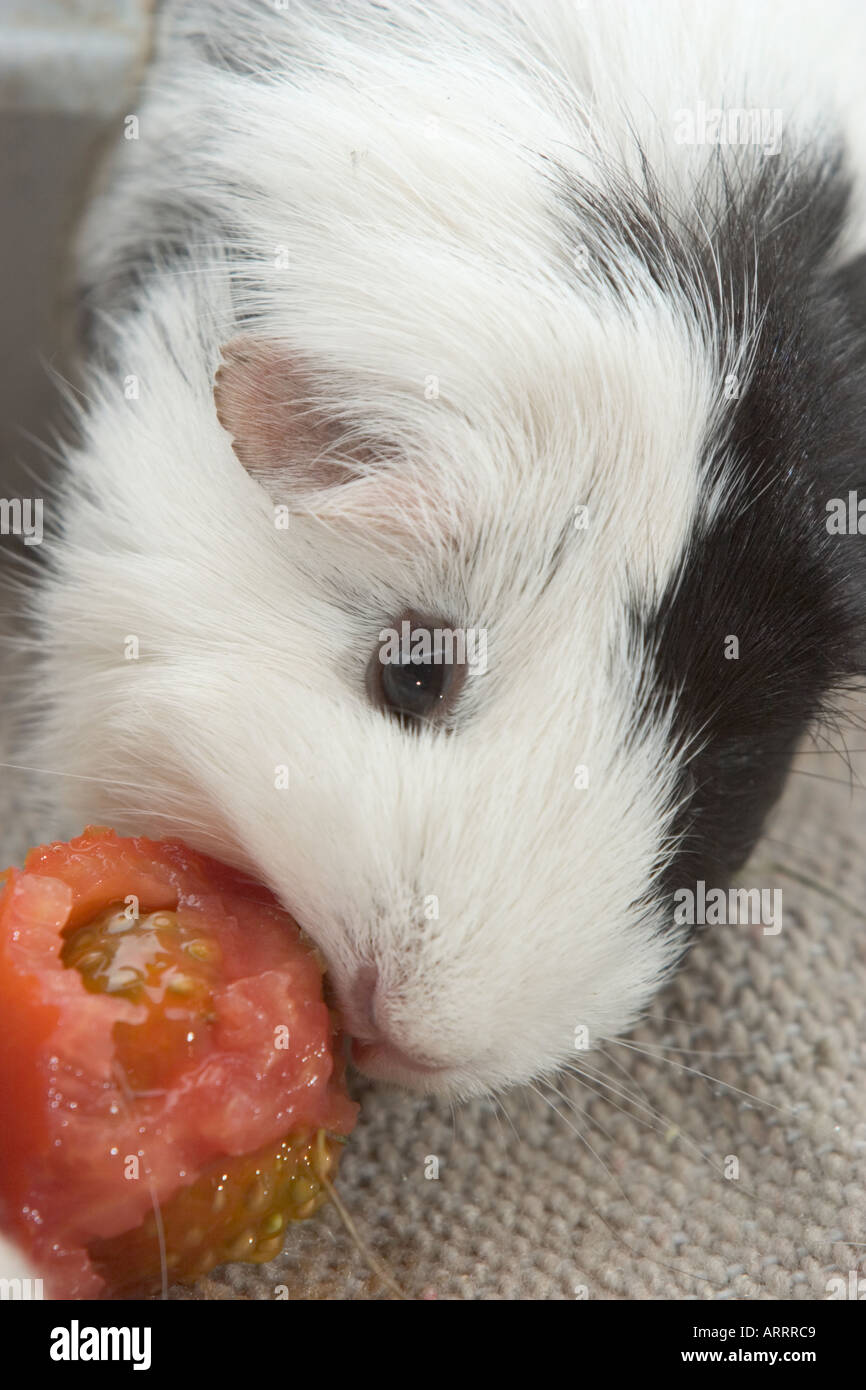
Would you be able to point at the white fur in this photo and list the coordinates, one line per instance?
(407, 169)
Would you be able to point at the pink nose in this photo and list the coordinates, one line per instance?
(360, 1006)
(372, 1048)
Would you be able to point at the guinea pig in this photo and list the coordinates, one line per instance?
(447, 538)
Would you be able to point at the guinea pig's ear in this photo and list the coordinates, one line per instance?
(262, 399)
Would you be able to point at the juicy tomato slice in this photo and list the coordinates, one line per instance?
(161, 1013)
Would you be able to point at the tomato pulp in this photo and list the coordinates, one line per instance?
(163, 1029)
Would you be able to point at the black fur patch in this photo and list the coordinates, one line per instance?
(763, 568)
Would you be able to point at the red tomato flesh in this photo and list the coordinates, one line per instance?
(161, 1016)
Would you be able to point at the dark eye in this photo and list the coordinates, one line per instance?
(417, 669)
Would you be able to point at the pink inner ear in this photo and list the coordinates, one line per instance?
(262, 399)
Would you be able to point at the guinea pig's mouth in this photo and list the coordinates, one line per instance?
(382, 1059)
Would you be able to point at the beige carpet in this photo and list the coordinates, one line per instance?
(626, 1196)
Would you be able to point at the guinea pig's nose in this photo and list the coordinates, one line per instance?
(372, 1047)
(360, 1005)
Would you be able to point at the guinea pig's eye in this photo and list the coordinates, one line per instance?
(417, 669)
